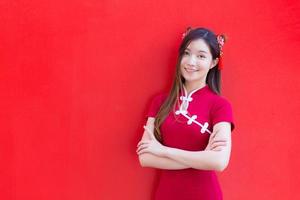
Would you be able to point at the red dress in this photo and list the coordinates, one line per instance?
(196, 115)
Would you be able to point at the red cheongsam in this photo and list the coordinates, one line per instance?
(189, 128)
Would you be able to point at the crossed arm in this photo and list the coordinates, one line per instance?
(214, 157)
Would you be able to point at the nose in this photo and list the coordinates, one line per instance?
(191, 60)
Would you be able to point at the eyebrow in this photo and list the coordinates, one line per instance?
(198, 51)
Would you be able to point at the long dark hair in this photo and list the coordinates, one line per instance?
(213, 78)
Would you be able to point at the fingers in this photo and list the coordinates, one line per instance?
(217, 149)
(142, 148)
(142, 142)
(145, 150)
(219, 140)
(215, 144)
(212, 136)
(218, 145)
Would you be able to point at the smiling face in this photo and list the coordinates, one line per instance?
(196, 62)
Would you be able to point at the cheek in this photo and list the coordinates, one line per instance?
(182, 63)
(204, 64)
(181, 70)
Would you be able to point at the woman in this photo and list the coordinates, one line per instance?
(188, 130)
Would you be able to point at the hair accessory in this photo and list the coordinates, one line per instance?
(221, 40)
(188, 29)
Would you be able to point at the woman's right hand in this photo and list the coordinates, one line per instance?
(215, 143)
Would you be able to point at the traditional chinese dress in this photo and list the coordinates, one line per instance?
(189, 128)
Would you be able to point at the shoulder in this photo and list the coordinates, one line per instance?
(156, 101)
(221, 111)
(218, 100)
(221, 105)
(221, 100)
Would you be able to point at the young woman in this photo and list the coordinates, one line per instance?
(188, 130)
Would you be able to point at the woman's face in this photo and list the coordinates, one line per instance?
(196, 62)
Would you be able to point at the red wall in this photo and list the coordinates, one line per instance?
(77, 78)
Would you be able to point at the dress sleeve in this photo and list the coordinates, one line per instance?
(222, 111)
(155, 104)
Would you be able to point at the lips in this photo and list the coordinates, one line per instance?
(191, 69)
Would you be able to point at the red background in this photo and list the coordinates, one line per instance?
(77, 78)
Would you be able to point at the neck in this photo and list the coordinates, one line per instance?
(190, 86)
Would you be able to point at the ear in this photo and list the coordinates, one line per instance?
(214, 62)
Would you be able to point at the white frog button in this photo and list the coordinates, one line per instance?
(183, 110)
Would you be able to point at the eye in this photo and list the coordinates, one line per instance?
(186, 53)
(201, 56)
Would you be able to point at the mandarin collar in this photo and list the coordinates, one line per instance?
(195, 91)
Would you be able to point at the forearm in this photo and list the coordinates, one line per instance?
(151, 160)
(204, 160)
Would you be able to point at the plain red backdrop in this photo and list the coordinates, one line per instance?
(77, 78)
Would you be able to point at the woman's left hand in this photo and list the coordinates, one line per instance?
(151, 146)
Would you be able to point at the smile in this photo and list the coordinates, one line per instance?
(191, 69)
